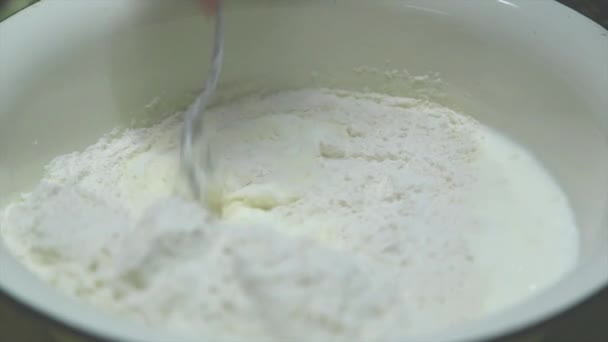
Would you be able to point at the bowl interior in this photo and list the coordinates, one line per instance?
(534, 70)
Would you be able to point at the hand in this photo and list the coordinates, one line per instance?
(209, 5)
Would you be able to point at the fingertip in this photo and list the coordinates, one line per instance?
(210, 6)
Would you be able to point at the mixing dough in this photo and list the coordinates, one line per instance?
(340, 216)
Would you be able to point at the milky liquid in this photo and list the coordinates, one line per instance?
(342, 216)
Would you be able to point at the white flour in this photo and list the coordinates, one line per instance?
(344, 216)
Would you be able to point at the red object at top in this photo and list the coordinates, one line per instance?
(209, 5)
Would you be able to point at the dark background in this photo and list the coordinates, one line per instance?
(586, 323)
(594, 9)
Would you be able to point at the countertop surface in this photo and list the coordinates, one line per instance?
(586, 323)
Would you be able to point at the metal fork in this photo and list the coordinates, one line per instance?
(195, 149)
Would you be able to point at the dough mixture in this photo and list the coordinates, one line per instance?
(339, 216)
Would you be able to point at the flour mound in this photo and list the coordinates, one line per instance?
(343, 216)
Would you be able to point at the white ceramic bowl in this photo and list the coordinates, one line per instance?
(72, 70)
